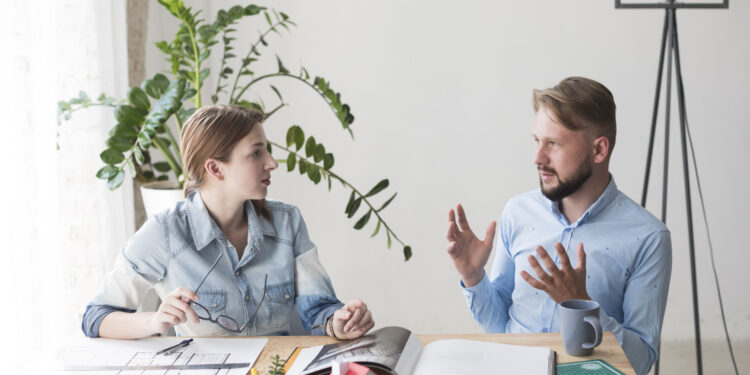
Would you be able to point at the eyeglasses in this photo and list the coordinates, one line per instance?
(224, 321)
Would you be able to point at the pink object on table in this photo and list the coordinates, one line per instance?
(357, 369)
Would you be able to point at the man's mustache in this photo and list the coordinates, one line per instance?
(547, 170)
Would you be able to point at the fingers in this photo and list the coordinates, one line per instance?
(452, 232)
(563, 255)
(463, 224)
(489, 236)
(175, 312)
(549, 264)
(533, 282)
(366, 324)
(451, 248)
(184, 293)
(451, 216)
(543, 276)
(581, 258)
(354, 320)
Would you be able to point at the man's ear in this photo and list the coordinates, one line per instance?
(214, 169)
(601, 149)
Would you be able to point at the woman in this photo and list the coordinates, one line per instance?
(224, 261)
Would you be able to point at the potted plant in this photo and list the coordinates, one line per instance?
(150, 117)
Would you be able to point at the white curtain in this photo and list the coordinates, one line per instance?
(60, 227)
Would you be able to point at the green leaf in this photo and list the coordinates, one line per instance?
(299, 138)
(378, 188)
(111, 156)
(362, 221)
(314, 173)
(139, 157)
(115, 181)
(126, 131)
(350, 203)
(387, 202)
(355, 206)
(128, 115)
(282, 68)
(268, 18)
(290, 133)
(156, 86)
(131, 166)
(329, 183)
(291, 162)
(407, 253)
(302, 165)
(138, 98)
(162, 166)
(377, 228)
(277, 92)
(107, 172)
(388, 235)
(119, 143)
(204, 73)
(328, 161)
(310, 146)
(319, 153)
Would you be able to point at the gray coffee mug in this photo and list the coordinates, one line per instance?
(580, 327)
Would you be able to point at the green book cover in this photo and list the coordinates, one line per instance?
(592, 367)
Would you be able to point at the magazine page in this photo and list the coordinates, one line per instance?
(381, 348)
(468, 357)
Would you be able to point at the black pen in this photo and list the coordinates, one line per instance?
(171, 349)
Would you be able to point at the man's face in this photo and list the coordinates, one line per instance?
(563, 157)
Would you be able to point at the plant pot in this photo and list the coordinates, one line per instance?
(159, 196)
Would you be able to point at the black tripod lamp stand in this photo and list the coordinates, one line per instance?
(670, 48)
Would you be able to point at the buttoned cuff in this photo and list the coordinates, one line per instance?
(480, 290)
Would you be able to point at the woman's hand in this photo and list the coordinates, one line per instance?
(174, 309)
(352, 321)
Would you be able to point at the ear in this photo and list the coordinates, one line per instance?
(214, 169)
(601, 149)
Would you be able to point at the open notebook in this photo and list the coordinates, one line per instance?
(396, 350)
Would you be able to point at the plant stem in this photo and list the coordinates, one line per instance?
(170, 158)
(232, 99)
(334, 175)
(221, 69)
(175, 146)
(197, 82)
(288, 76)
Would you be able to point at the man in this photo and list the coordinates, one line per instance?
(627, 259)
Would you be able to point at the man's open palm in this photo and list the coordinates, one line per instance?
(469, 253)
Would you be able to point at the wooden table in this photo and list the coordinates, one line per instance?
(609, 350)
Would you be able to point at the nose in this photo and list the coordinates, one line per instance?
(540, 157)
(271, 164)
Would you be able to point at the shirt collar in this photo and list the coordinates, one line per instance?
(204, 230)
(600, 204)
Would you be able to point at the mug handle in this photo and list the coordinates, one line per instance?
(594, 322)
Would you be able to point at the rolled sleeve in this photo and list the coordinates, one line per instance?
(141, 264)
(316, 300)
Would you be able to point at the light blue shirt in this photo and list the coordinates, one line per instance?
(178, 247)
(628, 264)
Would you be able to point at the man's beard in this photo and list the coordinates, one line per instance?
(569, 186)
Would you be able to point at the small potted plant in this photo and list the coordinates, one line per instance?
(150, 117)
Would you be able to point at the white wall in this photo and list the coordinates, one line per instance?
(441, 92)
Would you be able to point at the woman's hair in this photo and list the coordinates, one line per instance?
(579, 103)
(212, 132)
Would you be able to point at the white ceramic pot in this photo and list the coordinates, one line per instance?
(159, 196)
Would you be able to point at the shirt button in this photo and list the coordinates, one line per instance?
(214, 304)
(236, 273)
(286, 296)
(247, 298)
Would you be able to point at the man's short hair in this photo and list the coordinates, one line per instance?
(579, 103)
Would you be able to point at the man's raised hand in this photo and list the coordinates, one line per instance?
(469, 253)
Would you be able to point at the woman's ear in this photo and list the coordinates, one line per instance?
(601, 149)
(214, 169)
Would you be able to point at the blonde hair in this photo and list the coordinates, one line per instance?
(579, 103)
(212, 132)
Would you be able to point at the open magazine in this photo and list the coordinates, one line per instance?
(396, 350)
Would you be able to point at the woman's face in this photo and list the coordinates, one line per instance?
(248, 171)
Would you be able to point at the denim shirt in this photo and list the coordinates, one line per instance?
(628, 266)
(178, 247)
